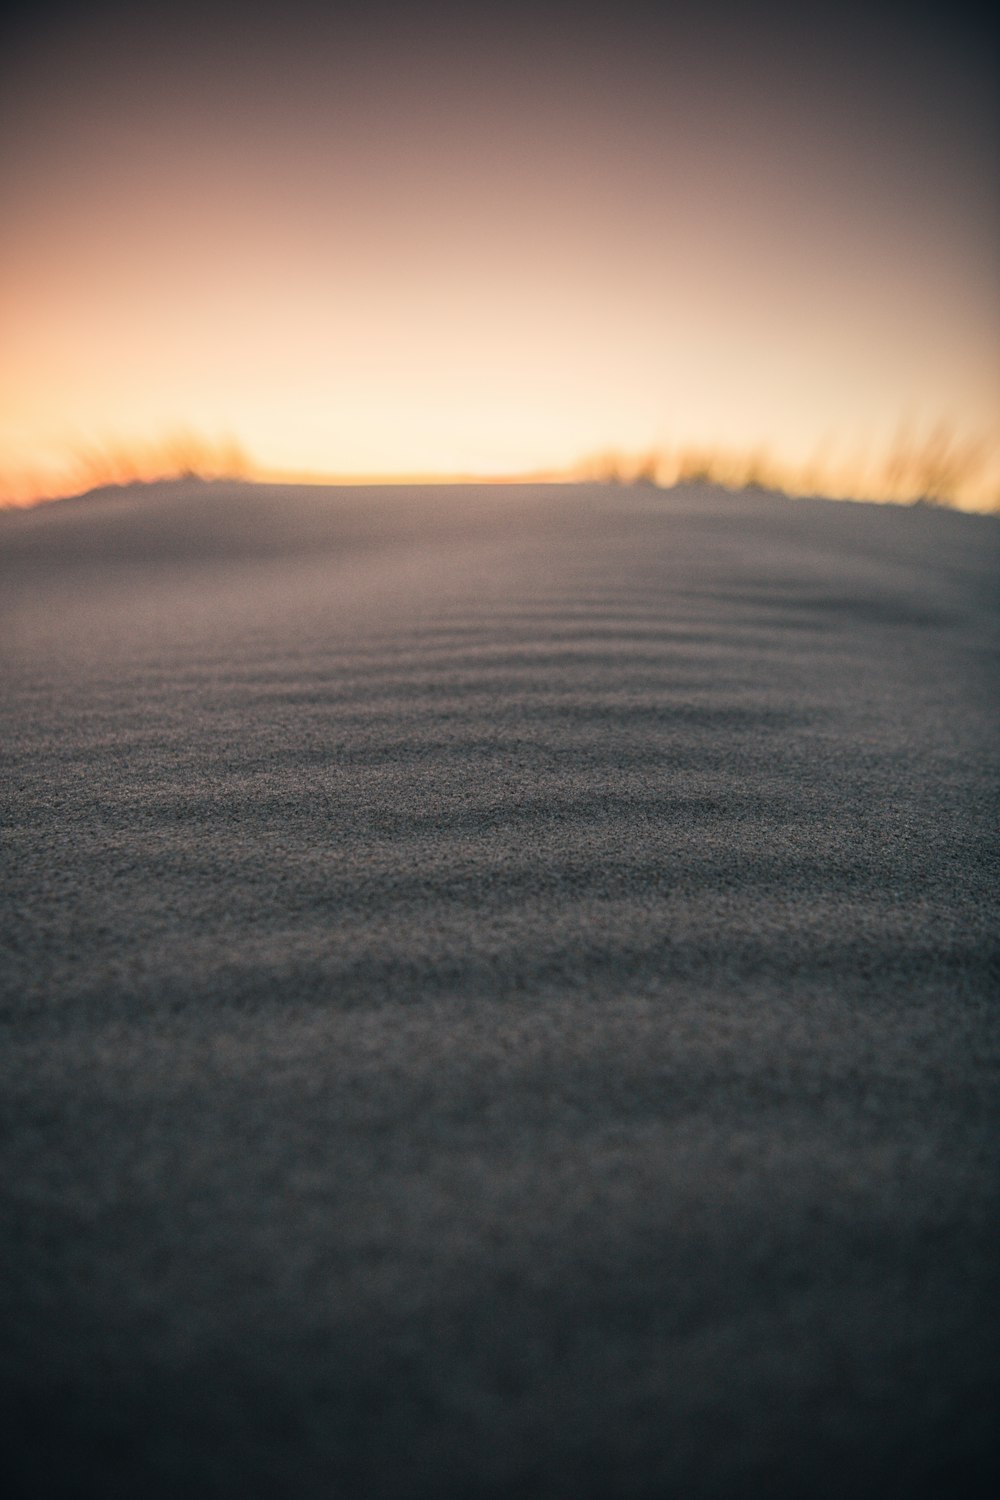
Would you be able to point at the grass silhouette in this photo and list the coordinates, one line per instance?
(939, 466)
(89, 464)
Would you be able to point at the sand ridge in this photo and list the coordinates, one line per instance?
(498, 991)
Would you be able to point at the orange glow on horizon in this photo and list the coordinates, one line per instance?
(383, 254)
(939, 468)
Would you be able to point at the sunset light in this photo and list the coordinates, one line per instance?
(494, 245)
(499, 649)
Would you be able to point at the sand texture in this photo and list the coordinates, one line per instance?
(499, 996)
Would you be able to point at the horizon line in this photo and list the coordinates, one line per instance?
(940, 468)
(306, 479)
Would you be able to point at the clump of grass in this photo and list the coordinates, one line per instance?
(939, 468)
(96, 464)
(181, 455)
(658, 467)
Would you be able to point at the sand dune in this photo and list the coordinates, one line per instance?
(499, 994)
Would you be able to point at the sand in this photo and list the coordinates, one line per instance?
(499, 995)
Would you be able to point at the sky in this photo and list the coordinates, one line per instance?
(389, 240)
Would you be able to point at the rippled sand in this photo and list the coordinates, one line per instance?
(499, 995)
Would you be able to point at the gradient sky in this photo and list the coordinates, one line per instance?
(428, 238)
